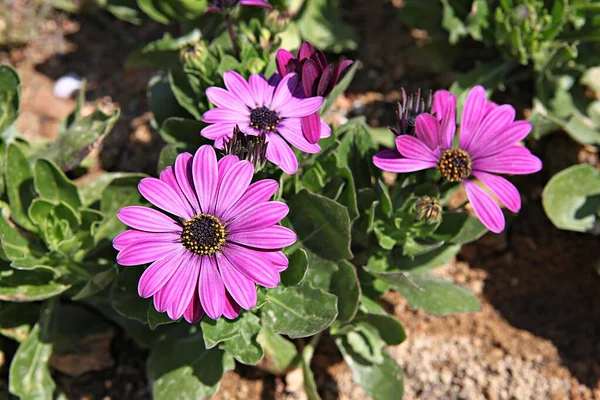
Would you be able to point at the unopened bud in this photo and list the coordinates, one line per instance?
(428, 209)
(248, 147)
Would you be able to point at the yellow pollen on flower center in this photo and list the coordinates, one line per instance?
(204, 234)
(455, 165)
(264, 119)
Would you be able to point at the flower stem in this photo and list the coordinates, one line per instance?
(234, 43)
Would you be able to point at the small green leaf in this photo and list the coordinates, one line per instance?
(124, 295)
(390, 329)
(217, 331)
(182, 131)
(10, 92)
(162, 101)
(28, 285)
(299, 311)
(345, 285)
(310, 386)
(188, 96)
(17, 319)
(245, 347)
(13, 245)
(341, 87)
(52, 184)
(459, 228)
(184, 369)
(320, 23)
(29, 375)
(296, 271)
(99, 282)
(19, 186)
(156, 319)
(280, 353)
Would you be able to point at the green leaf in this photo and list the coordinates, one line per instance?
(217, 331)
(184, 369)
(156, 319)
(321, 224)
(92, 191)
(310, 386)
(13, 245)
(99, 282)
(383, 381)
(162, 100)
(188, 96)
(124, 295)
(299, 311)
(19, 186)
(17, 319)
(52, 184)
(280, 353)
(459, 228)
(182, 131)
(245, 347)
(571, 198)
(167, 156)
(345, 285)
(80, 138)
(10, 93)
(341, 87)
(296, 271)
(29, 375)
(428, 261)
(321, 24)
(28, 285)
(389, 328)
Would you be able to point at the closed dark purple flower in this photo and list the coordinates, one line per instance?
(318, 78)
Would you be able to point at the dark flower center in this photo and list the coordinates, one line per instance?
(455, 165)
(264, 119)
(203, 235)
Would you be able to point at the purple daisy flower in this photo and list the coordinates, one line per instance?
(487, 146)
(260, 106)
(219, 5)
(215, 238)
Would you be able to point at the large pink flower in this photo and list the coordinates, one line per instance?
(263, 107)
(215, 238)
(487, 146)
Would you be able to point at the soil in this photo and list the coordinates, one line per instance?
(536, 336)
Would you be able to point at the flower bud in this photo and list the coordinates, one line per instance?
(428, 209)
(248, 147)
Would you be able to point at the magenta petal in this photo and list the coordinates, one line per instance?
(341, 68)
(259, 88)
(231, 309)
(239, 287)
(515, 160)
(473, 112)
(501, 141)
(256, 3)
(277, 258)
(280, 153)
(486, 209)
(326, 82)
(252, 265)
(301, 107)
(325, 130)
(505, 191)
(211, 288)
(220, 130)
(168, 176)
(162, 196)
(206, 175)
(283, 92)
(183, 173)
(224, 165)
(237, 85)
(311, 127)
(283, 57)
(428, 130)
(194, 311)
(132, 236)
(224, 116)
(444, 105)
(156, 276)
(260, 216)
(181, 288)
(147, 219)
(390, 160)
(494, 124)
(257, 193)
(305, 51)
(234, 184)
(222, 98)
(413, 148)
(145, 252)
(292, 132)
(310, 73)
(274, 237)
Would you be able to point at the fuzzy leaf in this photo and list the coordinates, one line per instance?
(296, 271)
(10, 92)
(19, 186)
(345, 285)
(52, 184)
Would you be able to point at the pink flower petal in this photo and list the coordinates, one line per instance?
(183, 173)
(211, 288)
(291, 131)
(301, 107)
(215, 131)
(168, 176)
(225, 116)
(181, 288)
(146, 252)
(237, 85)
(162, 196)
(311, 127)
(284, 90)
(515, 160)
(485, 207)
(194, 311)
(310, 73)
(493, 125)
(224, 99)
(147, 219)
(413, 148)
(277, 258)
(274, 237)
(472, 115)
(206, 175)
(256, 3)
(390, 160)
(224, 165)
(283, 57)
(235, 183)
(257, 193)
(280, 153)
(428, 130)
(306, 50)
(259, 88)
(231, 309)
(251, 264)
(239, 287)
(510, 136)
(505, 191)
(131, 236)
(260, 216)
(156, 276)
(325, 130)
(444, 105)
